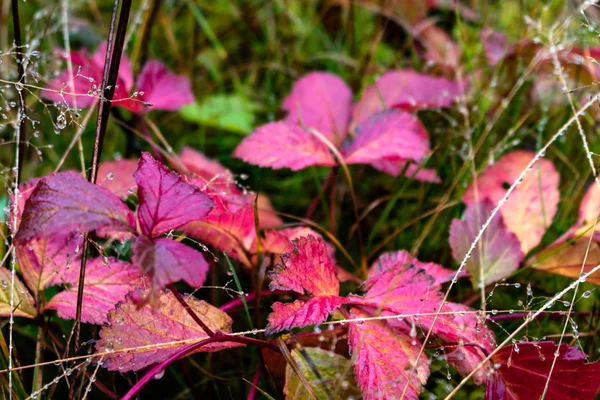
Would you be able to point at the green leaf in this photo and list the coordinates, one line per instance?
(232, 112)
(335, 378)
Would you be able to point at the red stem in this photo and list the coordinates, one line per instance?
(257, 374)
(235, 303)
(219, 337)
(189, 310)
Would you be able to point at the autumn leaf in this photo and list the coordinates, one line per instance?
(65, 202)
(166, 261)
(23, 303)
(531, 206)
(334, 379)
(321, 101)
(135, 338)
(522, 374)
(307, 269)
(567, 259)
(107, 282)
(383, 360)
(163, 89)
(166, 200)
(283, 145)
(498, 253)
(117, 176)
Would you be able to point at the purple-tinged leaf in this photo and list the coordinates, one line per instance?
(283, 145)
(166, 200)
(162, 88)
(148, 333)
(308, 268)
(299, 314)
(117, 176)
(498, 253)
(166, 261)
(321, 101)
(523, 371)
(65, 202)
(384, 358)
(23, 303)
(107, 282)
(407, 90)
(531, 206)
(394, 135)
(43, 261)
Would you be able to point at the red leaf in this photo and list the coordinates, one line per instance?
(283, 145)
(43, 261)
(394, 135)
(117, 176)
(166, 201)
(405, 89)
(215, 176)
(531, 206)
(65, 202)
(522, 374)
(302, 313)
(498, 253)
(384, 358)
(166, 261)
(308, 268)
(132, 328)
(322, 101)
(162, 88)
(107, 282)
(233, 233)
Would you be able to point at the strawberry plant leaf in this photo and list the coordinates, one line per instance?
(107, 282)
(162, 88)
(23, 303)
(283, 145)
(334, 376)
(407, 90)
(384, 358)
(166, 261)
(299, 314)
(166, 200)
(394, 262)
(65, 202)
(567, 259)
(531, 206)
(117, 176)
(132, 328)
(522, 374)
(394, 135)
(321, 101)
(498, 253)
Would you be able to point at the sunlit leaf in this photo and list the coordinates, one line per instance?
(232, 112)
(570, 259)
(117, 176)
(23, 303)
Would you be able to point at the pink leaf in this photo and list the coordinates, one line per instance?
(166, 200)
(23, 304)
(384, 358)
(495, 44)
(267, 216)
(233, 233)
(43, 261)
(498, 253)
(65, 202)
(395, 167)
(524, 369)
(283, 145)
(107, 282)
(530, 208)
(117, 176)
(589, 211)
(162, 88)
(321, 101)
(308, 268)
(166, 261)
(125, 69)
(302, 313)
(214, 175)
(390, 135)
(407, 90)
(133, 328)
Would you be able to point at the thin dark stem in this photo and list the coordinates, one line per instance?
(189, 349)
(315, 201)
(112, 62)
(189, 310)
(22, 120)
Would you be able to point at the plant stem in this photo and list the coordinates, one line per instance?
(219, 337)
(112, 62)
(189, 310)
(235, 303)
